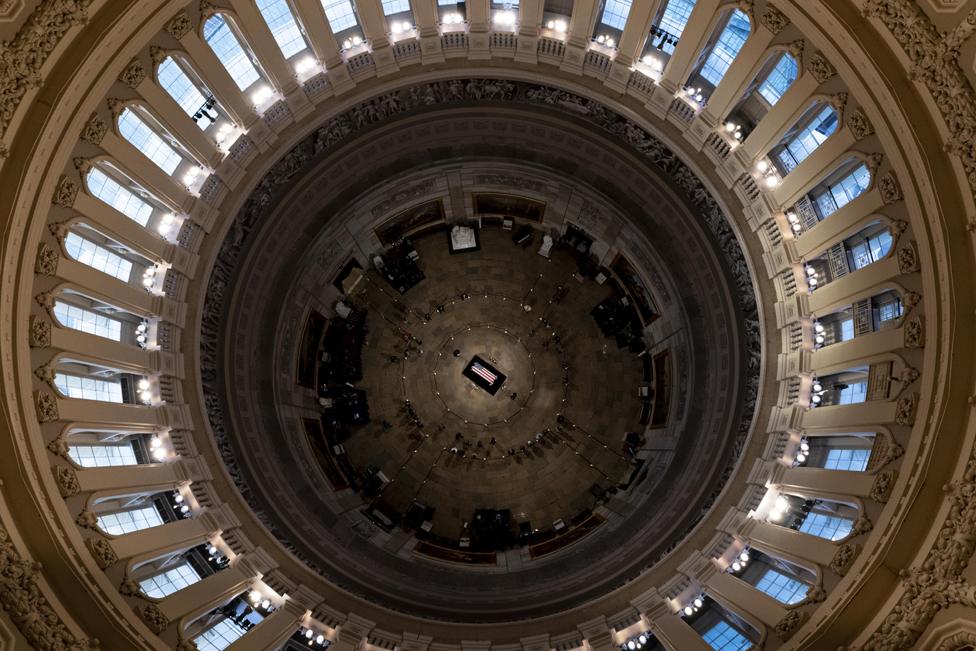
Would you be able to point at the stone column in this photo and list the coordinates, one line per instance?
(631, 41)
(376, 29)
(579, 33)
(530, 20)
(427, 21)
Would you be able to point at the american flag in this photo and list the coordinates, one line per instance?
(483, 372)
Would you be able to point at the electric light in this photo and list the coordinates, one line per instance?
(816, 400)
(762, 166)
(642, 639)
(771, 182)
(357, 40)
(631, 645)
(159, 454)
(744, 557)
(254, 596)
(730, 126)
(689, 610)
(561, 26)
(309, 634)
(144, 384)
(806, 446)
(320, 639)
(184, 509)
(736, 566)
(800, 458)
(178, 499)
(698, 602)
(265, 604)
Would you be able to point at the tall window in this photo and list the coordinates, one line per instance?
(843, 191)
(78, 318)
(826, 526)
(101, 456)
(846, 329)
(124, 522)
(340, 13)
(673, 21)
(853, 393)
(88, 388)
(225, 44)
(779, 79)
(97, 257)
(181, 88)
(219, 636)
(391, 7)
(784, 589)
(281, 21)
(723, 637)
(170, 581)
(854, 460)
(134, 129)
(871, 249)
(104, 187)
(807, 139)
(730, 41)
(615, 13)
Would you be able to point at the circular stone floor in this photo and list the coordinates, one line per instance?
(528, 318)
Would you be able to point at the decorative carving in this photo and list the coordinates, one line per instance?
(87, 519)
(22, 58)
(102, 551)
(908, 375)
(510, 180)
(94, 130)
(58, 229)
(45, 373)
(39, 332)
(59, 446)
(773, 20)
(67, 480)
(157, 55)
(130, 588)
(787, 626)
(403, 196)
(47, 260)
(905, 409)
(889, 188)
(133, 74)
(861, 525)
(179, 26)
(82, 164)
(859, 124)
(873, 161)
(881, 487)
(186, 645)
(65, 192)
(908, 259)
(914, 330)
(911, 299)
(115, 105)
(796, 49)
(154, 618)
(844, 557)
(820, 68)
(25, 604)
(839, 102)
(46, 300)
(897, 228)
(46, 406)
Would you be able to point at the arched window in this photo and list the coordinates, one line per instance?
(341, 15)
(143, 137)
(123, 522)
(781, 587)
(855, 460)
(281, 21)
(393, 7)
(811, 131)
(219, 636)
(824, 525)
(107, 189)
(103, 455)
(174, 80)
(841, 192)
(726, 48)
(779, 79)
(89, 388)
(172, 580)
(724, 637)
(225, 44)
(78, 318)
(97, 257)
(674, 17)
(615, 13)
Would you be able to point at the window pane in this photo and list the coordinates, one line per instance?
(175, 82)
(673, 20)
(779, 79)
(855, 460)
(726, 48)
(391, 7)
(880, 245)
(615, 13)
(143, 138)
(812, 135)
(847, 329)
(122, 199)
(277, 14)
(219, 636)
(340, 14)
(100, 456)
(97, 257)
(87, 388)
(170, 581)
(723, 637)
(782, 588)
(224, 43)
(77, 318)
(826, 526)
(851, 186)
(128, 521)
(853, 393)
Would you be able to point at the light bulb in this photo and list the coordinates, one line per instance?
(346, 44)
(184, 509)
(806, 446)
(796, 228)
(601, 39)
(551, 24)
(631, 645)
(771, 182)
(816, 400)
(647, 60)
(800, 458)
(698, 602)
(320, 639)
(178, 499)
(818, 327)
(642, 639)
(736, 566)
(356, 40)
(820, 339)
(744, 557)
(141, 338)
(698, 97)
(730, 127)
(818, 388)
(813, 281)
(792, 218)
(144, 384)
(610, 42)
(561, 26)
(265, 604)
(395, 28)
(762, 166)
(689, 610)
(142, 327)
(810, 270)
(309, 634)
(255, 596)
(159, 454)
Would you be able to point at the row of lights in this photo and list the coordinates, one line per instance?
(351, 42)
(801, 456)
(157, 450)
(740, 562)
(635, 643)
(261, 95)
(504, 18)
(694, 94)
(653, 63)
(608, 41)
(559, 25)
(166, 224)
(145, 394)
(794, 221)
(819, 334)
(452, 18)
(312, 638)
(694, 606)
(769, 174)
(149, 276)
(215, 555)
(813, 276)
(400, 27)
(780, 508)
(258, 600)
(305, 65)
(734, 130)
(142, 334)
(224, 133)
(816, 393)
(192, 175)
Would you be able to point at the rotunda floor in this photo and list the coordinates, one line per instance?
(548, 441)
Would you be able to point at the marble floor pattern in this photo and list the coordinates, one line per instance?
(581, 376)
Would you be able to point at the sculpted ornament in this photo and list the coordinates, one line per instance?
(773, 20)
(47, 260)
(102, 551)
(820, 68)
(914, 330)
(787, 626)
(844, 557)
(65, 192)
(133, 74)
(186, 645)
(154, 618)
(87, 519)
(94, 130)
(889, 188)
(59, 446)
(908, 259)
(179, 26)
(67, 480)
(130, 588)
(46, 406)
(39, 332)
(157, 54)
(859, 124)
(905, 410)
(26, 605)
(882, 485)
